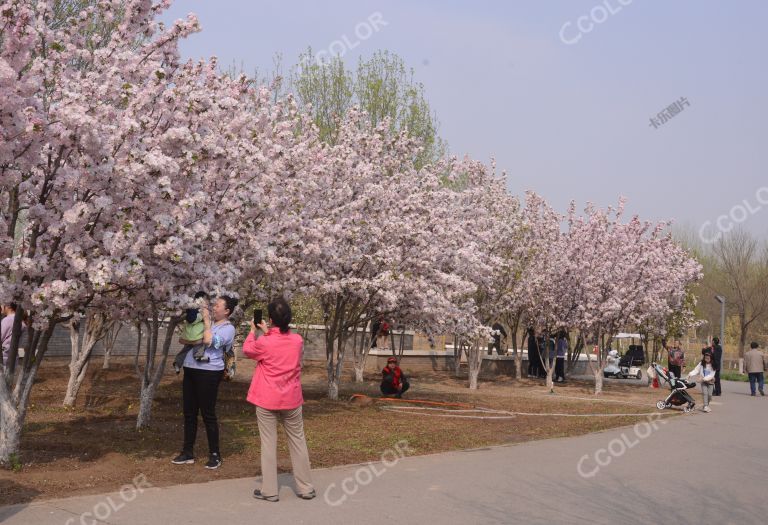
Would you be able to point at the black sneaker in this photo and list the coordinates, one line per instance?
(183, 459)
(309, 495)
(258, 495)
(214, 462)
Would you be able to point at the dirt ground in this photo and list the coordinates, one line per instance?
(95, 447)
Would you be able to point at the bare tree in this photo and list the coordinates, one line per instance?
(742, 267)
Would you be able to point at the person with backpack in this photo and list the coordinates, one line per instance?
(200, 386)
(676, 359)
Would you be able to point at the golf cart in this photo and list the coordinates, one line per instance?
(628, 365)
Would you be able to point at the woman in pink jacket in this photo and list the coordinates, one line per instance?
(276, 392)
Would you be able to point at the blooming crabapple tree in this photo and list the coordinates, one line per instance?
(609, 274)
(111, 161)
(368, 245)
(538, 226)
(490, 225)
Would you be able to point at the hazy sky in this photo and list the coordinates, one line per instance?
(570, 121)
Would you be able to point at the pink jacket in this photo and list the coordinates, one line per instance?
(276, 383)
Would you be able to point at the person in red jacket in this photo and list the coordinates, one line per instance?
(393, 381)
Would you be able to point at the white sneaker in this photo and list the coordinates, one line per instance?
(707, 409)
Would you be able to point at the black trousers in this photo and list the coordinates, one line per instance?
(560, 368)
(674, 369)
(200, 389)
(535, 366)
(388, 390)
(717, 391)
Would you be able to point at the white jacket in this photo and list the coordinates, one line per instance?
(707, 375)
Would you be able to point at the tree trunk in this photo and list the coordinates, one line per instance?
(10, 432)
(744, 329)
(154, 369)
(109, 343)
(333, 389)
(598, 380)
(95, 329)
(361, 351)
(145, 406)
(475, 361)
(550, 366)
(597, 369)
(576, 353)
(13, 404)
(518, 351)
(456, 356)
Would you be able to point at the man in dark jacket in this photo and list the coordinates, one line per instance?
(716, 351)
(535, 366)
(393, 380)
(717, 357)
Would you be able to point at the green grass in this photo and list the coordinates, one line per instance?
(733, 375)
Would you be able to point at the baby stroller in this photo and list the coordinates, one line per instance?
(679, 395)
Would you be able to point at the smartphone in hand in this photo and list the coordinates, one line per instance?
(257, 316)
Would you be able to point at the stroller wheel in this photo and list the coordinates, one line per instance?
(639, 375)
(661, 405)
(687, 408)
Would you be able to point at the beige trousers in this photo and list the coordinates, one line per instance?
(293, 423)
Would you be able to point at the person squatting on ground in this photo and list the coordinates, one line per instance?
(192, 330)
(705, 369)
(200, 386)
(754, 364)
(393, 380)
(276, 392)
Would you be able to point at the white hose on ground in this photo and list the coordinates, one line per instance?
(505, 414)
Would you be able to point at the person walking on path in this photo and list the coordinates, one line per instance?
(754, 363)
(705, 369)
(200, 387)
(276, 392)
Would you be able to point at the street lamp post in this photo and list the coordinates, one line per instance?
(720, 299)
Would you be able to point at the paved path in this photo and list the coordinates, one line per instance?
(702, 468)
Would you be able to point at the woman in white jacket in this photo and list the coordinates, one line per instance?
(706, 370)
